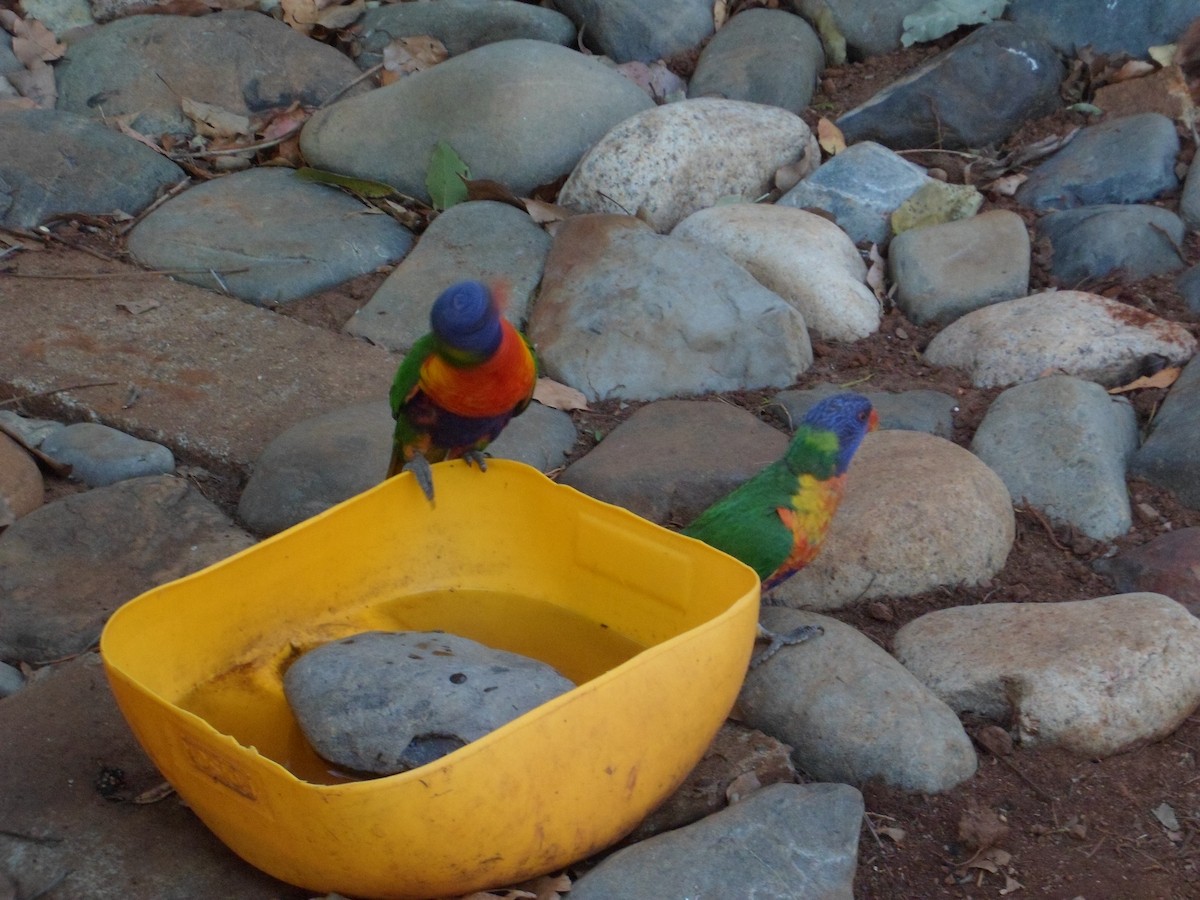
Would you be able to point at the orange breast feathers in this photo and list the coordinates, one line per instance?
(490, 388)
(808, 518)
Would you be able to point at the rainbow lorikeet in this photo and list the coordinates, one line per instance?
(775, 522)
(460, 384)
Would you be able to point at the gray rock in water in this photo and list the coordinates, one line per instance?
(127, 538)
(945, 271)
(1122, 160)
(627, 30)
(1062, 444)
(385, 702)
(56, 162)
(484, 240)
(761, 55)
(100, 455)
(784, 842)
(672, 459)
(143, 65)
(1112, 27)
(1169, 456)
(568, 100)
(851, 713)
(861, 187)
(1094, 241)
(460, 25)
(976, 93)
(929, 411)
(216, 230)
(627, 313)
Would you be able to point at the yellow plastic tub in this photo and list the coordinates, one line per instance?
(656, 630)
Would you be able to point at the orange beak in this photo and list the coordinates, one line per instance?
(873, 421)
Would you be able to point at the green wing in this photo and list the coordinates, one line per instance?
(745, 523)
(813, 451)
(409, 373)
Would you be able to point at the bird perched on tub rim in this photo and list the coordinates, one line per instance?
(776, 522)
(460, 384)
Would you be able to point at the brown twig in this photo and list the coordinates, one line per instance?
(1042, 794)
(60, 469)
(1046, 525)
(167, 195)
(135, 273)
(70, 387)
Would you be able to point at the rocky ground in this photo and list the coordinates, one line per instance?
(1041, 821)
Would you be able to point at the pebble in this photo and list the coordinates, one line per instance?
(1094, 241)
(785, 842)
(1071, 332)
(801, 256)
(52, 163)
(670, 161)
(1122, 160)
(851, 713)
(143, 65)
(481, 240)
(99, 455)
(1169, 564)
(627, 30)
(974, 94)
(385, 702)
(960, 534)
(860, 187)
(1093, 676)
(21, 485)
(764, 56)
(214, 235)
(945, 271)
(128, 537)
(568, 100)
(672, 459)
(1061, 445)
(1168, 455)
(928, 411)
(1118, 26)
(460, 25)
(701, 324)
(322, 461)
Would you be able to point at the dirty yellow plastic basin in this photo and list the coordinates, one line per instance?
(655, 628)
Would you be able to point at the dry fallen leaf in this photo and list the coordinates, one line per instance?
(137, 307)
(213, 121)
(896, 834)
(830, 137)
(542, 212)
(720, 14)
(155, 794)
(742, 786)
(304, 15)
(31, 39)
(1134, 68)
(406, 55)
(558, 396)
(1163, 378)
(876, 279)
(981, 829)
(1007, 185)
(36, 84)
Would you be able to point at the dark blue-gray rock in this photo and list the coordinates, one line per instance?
(327, 459)
(55, 162)
(1189, 200)
(672, 459)
(216, 230)
(1122, 160)
(100, 455)
(460, 25)
(851, 713)
(974, 94)
(626, 30)
(1062, 445)
(565, 98)
(761, 55)
(141, 66)
(1115, 26)
(1093, 241)
(625, 313)
(944, 271)
(384, 702)
(11, 680)
(1188, 285)
(929, 411)
(868, 28)
(482, 240)
(1072, 332)
(127, 538)
(1170, 456)
(860, 187)
(784, 842)
(1169, 564)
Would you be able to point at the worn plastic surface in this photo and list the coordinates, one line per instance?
(562, 781)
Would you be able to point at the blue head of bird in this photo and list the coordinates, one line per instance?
(465, 320)
(849, 416)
